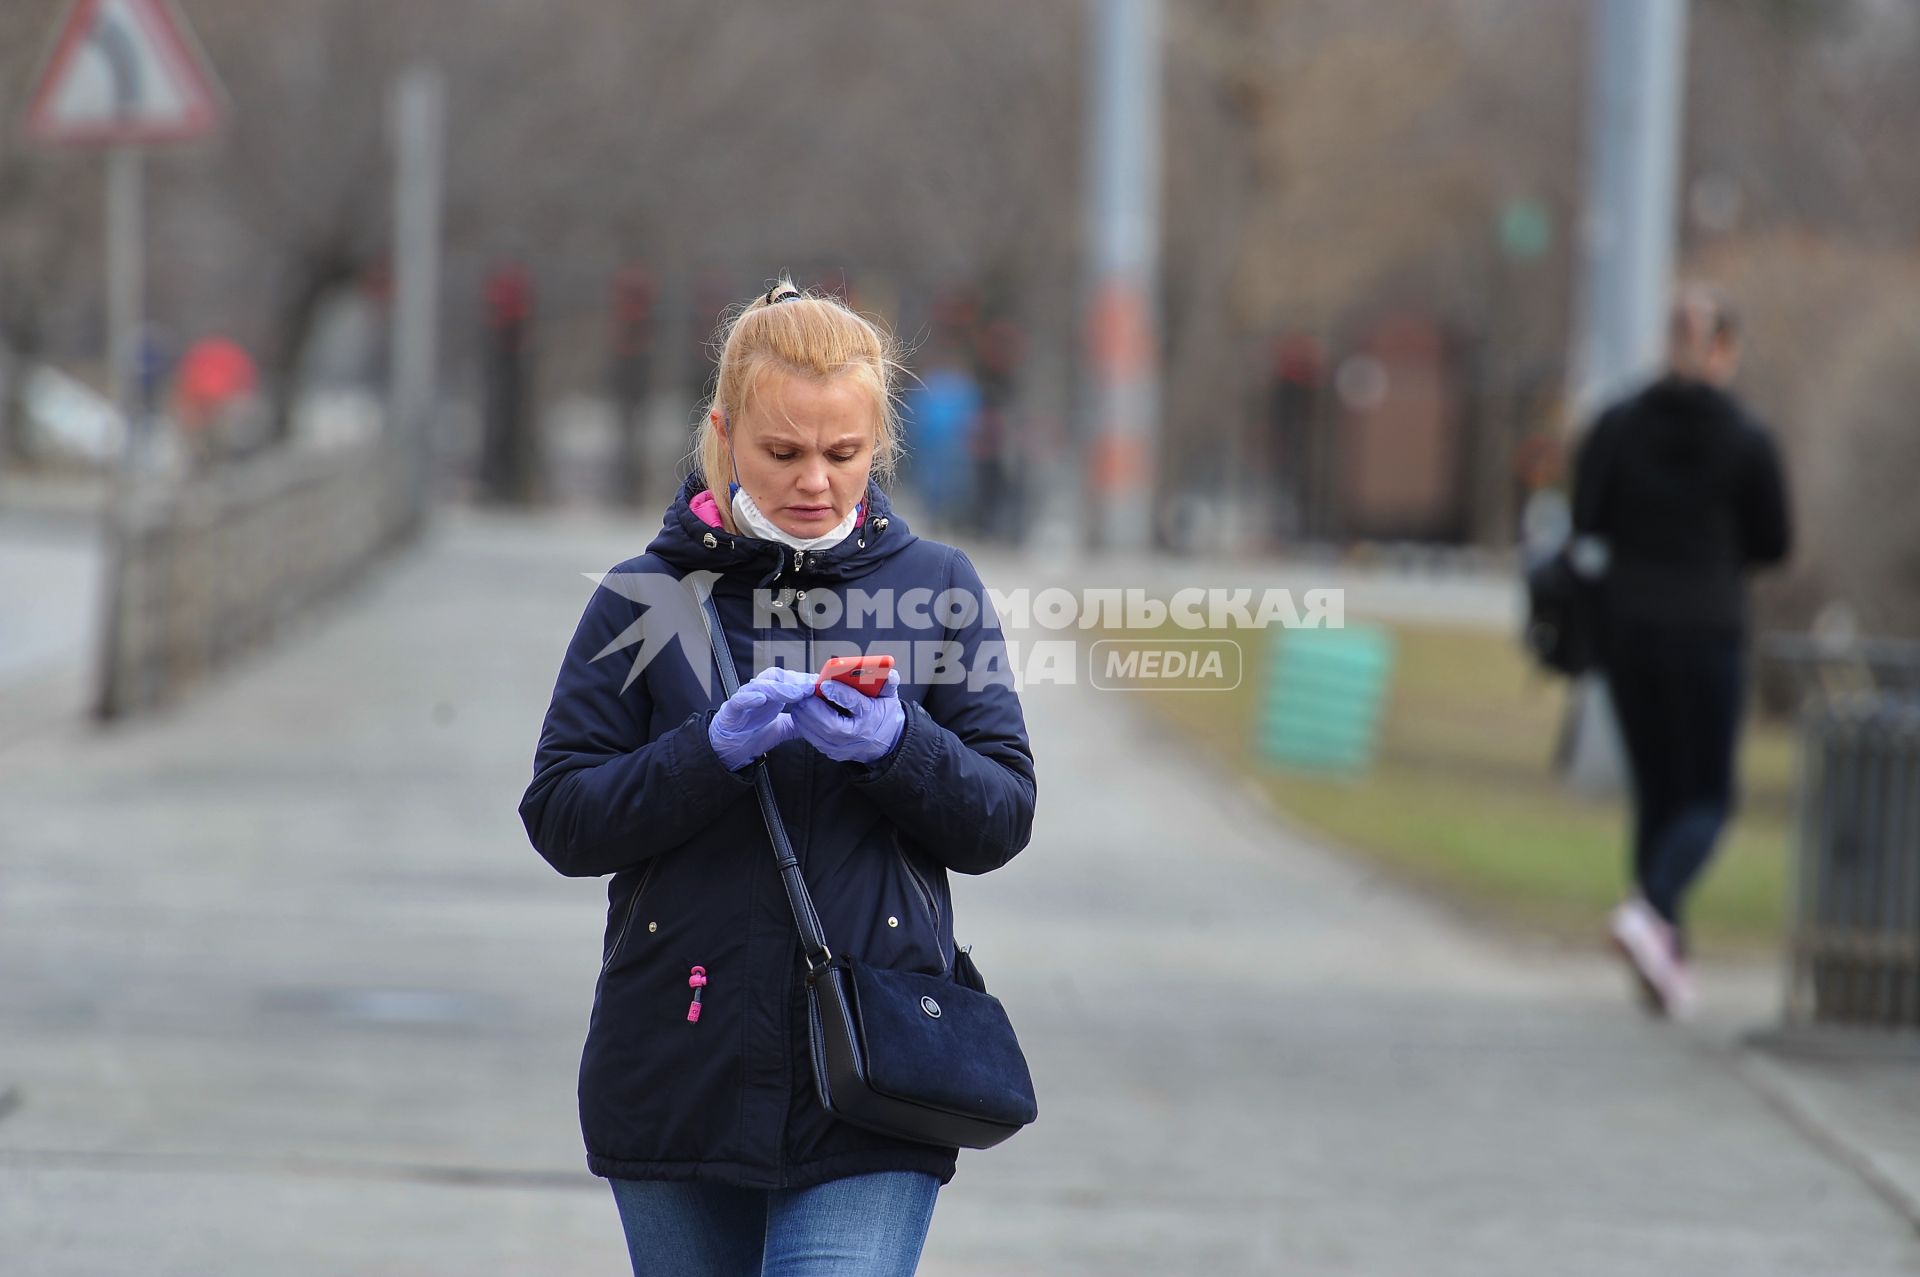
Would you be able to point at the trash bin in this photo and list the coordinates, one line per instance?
(1855, 921)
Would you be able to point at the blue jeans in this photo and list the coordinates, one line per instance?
(859, 1226)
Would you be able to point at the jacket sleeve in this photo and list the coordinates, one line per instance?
(960, 779)
(1766, 523)
(603, 796)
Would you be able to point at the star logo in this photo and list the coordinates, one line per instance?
(670, 612)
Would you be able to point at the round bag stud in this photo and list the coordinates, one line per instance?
(931, 1007)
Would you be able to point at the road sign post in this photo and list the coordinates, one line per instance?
(126, 286)
(124, 75)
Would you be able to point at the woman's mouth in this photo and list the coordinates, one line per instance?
(810, 511)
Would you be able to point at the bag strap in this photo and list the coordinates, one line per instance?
(799, 899)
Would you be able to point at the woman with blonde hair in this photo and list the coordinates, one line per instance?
(697, 1100)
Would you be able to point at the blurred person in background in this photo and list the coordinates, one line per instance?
(212, 388)
(705, 1117)
(1686, 493)
(941, 414)
(999, 351)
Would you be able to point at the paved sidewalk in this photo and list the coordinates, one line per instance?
(288, 993)
(51, 588)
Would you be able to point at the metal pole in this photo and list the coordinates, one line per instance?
(1123, 236)
(418, 139)
(1633, 130)
(125, 286)
(1633, 154)
(126, 273)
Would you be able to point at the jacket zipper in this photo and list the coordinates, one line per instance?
(697, 981)
(632, 904)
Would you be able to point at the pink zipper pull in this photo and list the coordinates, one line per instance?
(697, 981)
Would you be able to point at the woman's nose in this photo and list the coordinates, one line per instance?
(813, 477)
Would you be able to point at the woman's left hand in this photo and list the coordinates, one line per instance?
(866, 733)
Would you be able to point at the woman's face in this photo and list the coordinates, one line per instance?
(804, 449)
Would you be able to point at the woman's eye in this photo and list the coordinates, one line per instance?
(783, 456)
(839, 459)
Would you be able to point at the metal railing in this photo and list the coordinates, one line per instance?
(206, 569)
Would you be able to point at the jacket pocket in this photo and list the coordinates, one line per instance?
(658, 1083)
(633, 905)
(924, 893)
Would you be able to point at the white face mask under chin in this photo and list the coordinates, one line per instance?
(754, 522)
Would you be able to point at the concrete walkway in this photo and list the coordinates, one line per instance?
(51, 587)
(287, 992)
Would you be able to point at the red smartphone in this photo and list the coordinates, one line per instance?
(862, 673)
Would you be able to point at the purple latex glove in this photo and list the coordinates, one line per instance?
(754, 719)
(865, 734)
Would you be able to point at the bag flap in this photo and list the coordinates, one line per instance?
(938, 1043)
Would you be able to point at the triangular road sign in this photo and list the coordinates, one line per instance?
(122, 72)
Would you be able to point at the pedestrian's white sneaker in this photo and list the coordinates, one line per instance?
(1682, 999)
(1646, 940)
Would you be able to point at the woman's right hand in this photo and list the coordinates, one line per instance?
(754, 719)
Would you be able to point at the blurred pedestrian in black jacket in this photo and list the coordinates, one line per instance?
(1686, 492)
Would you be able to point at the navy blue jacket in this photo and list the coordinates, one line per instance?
(626, 783)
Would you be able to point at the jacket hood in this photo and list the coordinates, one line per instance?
(1690, 395)
(687, 543)
(1693, 419)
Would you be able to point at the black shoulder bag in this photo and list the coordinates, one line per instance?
(1565, 596)
(915, 1056)
(1562, 629)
